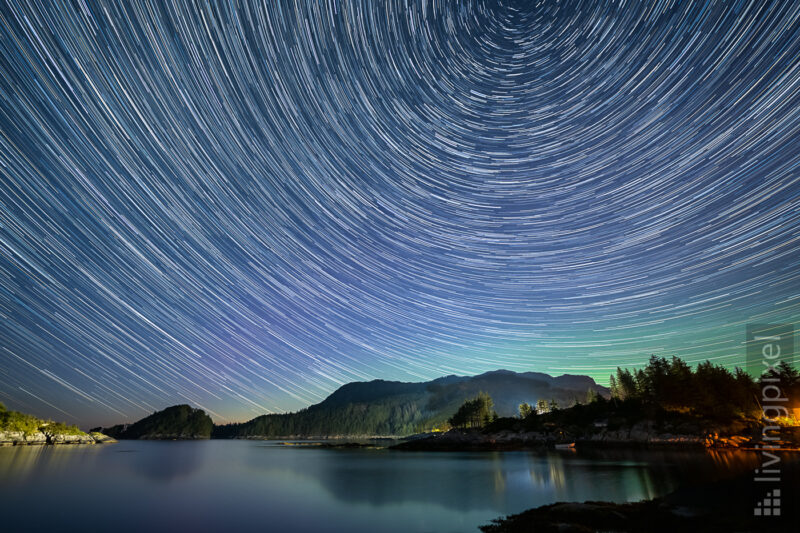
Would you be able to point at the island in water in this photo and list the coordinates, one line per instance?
(22, 429)
(179, 422)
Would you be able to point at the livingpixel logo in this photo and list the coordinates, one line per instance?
(768, 347)
(770, 505)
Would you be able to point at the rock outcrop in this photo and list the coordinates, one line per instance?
(100, 438)
(20, 438)
(21, 429)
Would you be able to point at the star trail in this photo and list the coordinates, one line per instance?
(245, 205)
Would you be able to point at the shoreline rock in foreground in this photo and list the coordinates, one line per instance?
(721, 506)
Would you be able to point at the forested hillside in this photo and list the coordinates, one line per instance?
(396, 408)
(176, 422)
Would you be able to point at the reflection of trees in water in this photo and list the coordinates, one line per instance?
(170, 461)
(428, 479)
(651, 473)
(549, 474)
(20, 462)
(497, 481)
(614, 475)
(379, 477)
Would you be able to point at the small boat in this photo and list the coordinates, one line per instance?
(566, 446)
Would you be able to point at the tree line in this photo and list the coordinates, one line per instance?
(707, 389)
(475, 413)
(28, 424)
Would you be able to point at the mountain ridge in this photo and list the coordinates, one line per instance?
(372, 408)
(398, 408)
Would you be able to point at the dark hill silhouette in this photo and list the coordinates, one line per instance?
(176, 422)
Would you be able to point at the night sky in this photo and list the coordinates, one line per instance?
(243, 207)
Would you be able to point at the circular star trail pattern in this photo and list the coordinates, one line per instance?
(243, 206)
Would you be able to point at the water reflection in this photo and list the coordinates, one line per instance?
(170, 464)
(22, 462)
(19, 462)
(232, 485)
(464, 481)
(167, 463)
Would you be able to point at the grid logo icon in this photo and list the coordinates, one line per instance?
(770, 505)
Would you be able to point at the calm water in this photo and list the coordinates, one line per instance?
(259, 486)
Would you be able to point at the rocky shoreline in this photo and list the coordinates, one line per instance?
(313, 438)
(20, 438)
(639, 435)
